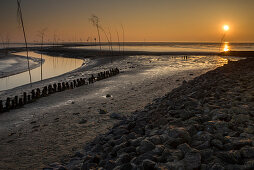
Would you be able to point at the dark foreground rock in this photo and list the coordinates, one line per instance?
(207, 123)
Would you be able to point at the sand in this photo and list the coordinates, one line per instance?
(14, 64)
(52, 129)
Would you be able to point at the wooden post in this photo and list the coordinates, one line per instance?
(67, 85)
(63, 86)
(50, 89)
(16, 101)
(74, 83)
(29, 98)
(55, 87)
(20, 102)
(72, 87)
(81, 81)
(33, 94)
(38, 93)
(12, 103)
(45, 91)
(78, 83)
(24, 98)
(8, 103)
(1, 106)
(59, 87)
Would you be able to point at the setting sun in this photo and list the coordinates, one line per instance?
(226, 27)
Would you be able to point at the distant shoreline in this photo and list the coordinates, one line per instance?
(20, 66)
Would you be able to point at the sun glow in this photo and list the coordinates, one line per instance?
(226, 27)
(226, 48)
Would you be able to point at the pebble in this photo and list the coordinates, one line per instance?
(206, 123)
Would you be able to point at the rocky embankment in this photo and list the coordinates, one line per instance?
(207, 123)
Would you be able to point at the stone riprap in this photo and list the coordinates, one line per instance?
(206, 123)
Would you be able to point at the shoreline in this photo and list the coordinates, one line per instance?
(74, 114)
(205, 123)
(21, 61)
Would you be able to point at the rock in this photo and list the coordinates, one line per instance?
(184, 148)
(237, 143)
(156, 140)
(108, 95)
(110, 164)
(102, 111)
(232, 157)
(117, 116)
(249, 164)
(203, 136)
(204, 145)
(148, 155)
(247, 152)
(145, 146)
(126, 166)
(78, 154)
(250, 129)
(217, 143)
(217, 166)
(136, 142)
(192, 160)
(88, 166)
(82, 121)
(158, 149)
(148, 164)
(123, 158)
(180, 133)
(206, 155)
(174, 142)
(240, 118)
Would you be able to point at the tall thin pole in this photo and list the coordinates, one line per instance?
(41, 54)
(24, 33)
(223, 37)
(123, 37)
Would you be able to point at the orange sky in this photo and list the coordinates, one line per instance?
(143, 20)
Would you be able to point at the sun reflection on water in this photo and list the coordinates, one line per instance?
(226, 47)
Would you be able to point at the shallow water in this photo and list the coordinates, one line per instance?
(52, 67)
(175, 47)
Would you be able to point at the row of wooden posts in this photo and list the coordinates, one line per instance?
(17, 102)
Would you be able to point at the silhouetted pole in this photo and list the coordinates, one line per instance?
(20, 17)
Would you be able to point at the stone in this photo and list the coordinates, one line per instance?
(158, 149)
(88, 166)
(217, 166)
(117, 116)
(204, 145)
(240, 118)
(148, 164)
(155, 139)
(82, 121)
(247, 152)
(206, 155)
(123, 158)
(185, 148)
(217, 143)
(102, 111)
(192, 160)
(232, 157)
(180, 133)
(126, 166)
(174, 142)
(145, 146)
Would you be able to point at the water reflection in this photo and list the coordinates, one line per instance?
(53, 66)
(226, 47)
(175, 47)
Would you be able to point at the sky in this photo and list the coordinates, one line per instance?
(142, 20)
